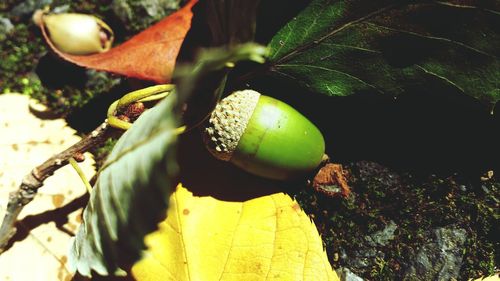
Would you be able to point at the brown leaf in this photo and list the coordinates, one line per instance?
(149, 55)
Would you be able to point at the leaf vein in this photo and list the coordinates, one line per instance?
(331, 70)
(283, 42)
(274, 239)
(232, 242)
(333, 32)
(440, 77)
(432, 38)
(352, 47)
(178, 213)
(463, 6)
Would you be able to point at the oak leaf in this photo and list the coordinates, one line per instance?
(202, 238)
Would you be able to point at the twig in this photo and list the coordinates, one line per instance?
(34, 180)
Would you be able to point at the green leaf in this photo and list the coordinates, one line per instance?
(130, 195)
(338, 48)
(204, 82)
(132, 190)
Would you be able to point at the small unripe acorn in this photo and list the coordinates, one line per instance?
(76, 34)
(263, 136)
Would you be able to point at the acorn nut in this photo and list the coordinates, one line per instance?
(77, 34)
(263, 136)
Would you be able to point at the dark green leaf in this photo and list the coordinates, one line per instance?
(341, 47)
(130, 194)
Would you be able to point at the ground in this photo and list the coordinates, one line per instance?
(376, 232)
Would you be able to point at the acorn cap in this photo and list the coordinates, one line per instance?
(228, 122)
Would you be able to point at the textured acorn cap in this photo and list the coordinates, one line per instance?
(228, 122)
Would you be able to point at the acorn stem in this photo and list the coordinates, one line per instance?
(147, 94)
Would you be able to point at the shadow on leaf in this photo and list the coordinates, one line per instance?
(204, 175)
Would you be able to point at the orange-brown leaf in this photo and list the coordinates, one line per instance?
(149, 55)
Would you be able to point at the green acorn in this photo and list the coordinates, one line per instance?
(77, 34)
(263, 136)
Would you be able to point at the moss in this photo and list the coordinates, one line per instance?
(24, 48)
(6, 5)
(18, 51)
(27, 66)
(85, 6)
(101, 153)
(416, 205)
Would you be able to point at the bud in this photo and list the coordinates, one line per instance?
(76, 34)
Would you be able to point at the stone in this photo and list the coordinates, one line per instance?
(28, 7)
(440, 258)
(364, 256)
(6, 27)
(138, 15)
(383, 237)
(61, 9)
(347, 275)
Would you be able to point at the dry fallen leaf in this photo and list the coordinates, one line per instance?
(41, 244)
(267, 238)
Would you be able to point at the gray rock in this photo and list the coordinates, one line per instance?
(5, 27)
(440, 258)
(346, 275)
(365, 256)
(122, 10)
(139, 14)
(27, 7)
(61, 9)
(383, 237)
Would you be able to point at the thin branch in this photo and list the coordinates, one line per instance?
(34, 180)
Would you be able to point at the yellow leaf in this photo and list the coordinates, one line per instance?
(494, 277)
(267, 238)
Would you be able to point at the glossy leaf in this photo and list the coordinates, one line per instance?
(338, 48)
(150, 55)
(202, 238)
(130, 195)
